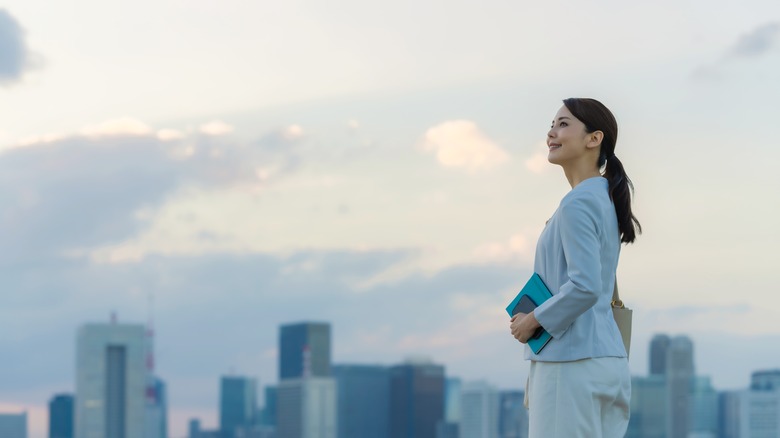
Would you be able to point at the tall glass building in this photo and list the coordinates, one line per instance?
(363, 394)
(703, 408)
(679, 375)
(301, 339)
(110, 381)
(513, 415)
(649, 414)
(659, 346)
(480, 411)
(61, 416)
(306, 408)
(237, 405)
(416, 399)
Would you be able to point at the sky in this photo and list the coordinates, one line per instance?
(227, 167)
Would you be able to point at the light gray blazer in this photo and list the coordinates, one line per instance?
(577, 256)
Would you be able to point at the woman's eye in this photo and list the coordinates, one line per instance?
(563, 124)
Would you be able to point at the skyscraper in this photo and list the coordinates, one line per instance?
(110, 381)
(703, 408)
(513, 416)
(156, 409)
(363, 393)
(649, 412)
(759, 413)
(765, 380)
(479, 415)
(659, 346)
(294, 339)
(728, 414)
(679, 375)
(13, 425)
(237, 405)
(306, 408)
(268, 413)
(61, 416)
(416, 399)
(452, 399)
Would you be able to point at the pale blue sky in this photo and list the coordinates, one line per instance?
(378, 166)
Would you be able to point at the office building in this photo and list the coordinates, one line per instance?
(703, 408)
(679, 375)
(111, 377)
(480, 411)
(659, 346)
(237, 405)
(306, 408)
(452, 394)
(156, 409)
(297, 340)
(513, 415)
(765, 380)
(759, 413)
(61, 416)
(363, 394)
(728, 414)
(648, 407)
(13, 425)
(416, 399)
(268, 413)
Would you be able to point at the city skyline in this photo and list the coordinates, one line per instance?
(243, 404)
(380, 167)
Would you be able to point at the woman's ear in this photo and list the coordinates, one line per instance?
(595, 139)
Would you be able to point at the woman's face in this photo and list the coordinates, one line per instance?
(567, 139)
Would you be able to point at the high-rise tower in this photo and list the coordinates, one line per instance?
(295, 340)
(111, 380)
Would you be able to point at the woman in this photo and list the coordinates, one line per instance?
(579, 384)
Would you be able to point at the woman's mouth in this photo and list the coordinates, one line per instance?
(553, 146)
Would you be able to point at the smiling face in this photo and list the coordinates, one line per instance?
(568, 141)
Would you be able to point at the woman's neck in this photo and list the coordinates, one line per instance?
(578, 174)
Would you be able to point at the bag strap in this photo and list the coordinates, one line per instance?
(616, 302)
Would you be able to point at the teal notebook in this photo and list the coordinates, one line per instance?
(534, 293)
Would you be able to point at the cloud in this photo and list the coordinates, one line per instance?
(461, 144)
(751, 46)
(125, 126)
(67, 194)
(758, 42)
(538, 163)
(15, 57)
(519, 246)
(216, 127)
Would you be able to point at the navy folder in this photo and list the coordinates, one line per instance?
(533, 294)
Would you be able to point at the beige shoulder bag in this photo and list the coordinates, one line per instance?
(622, 316)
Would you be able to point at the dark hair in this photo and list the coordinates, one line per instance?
(598, 117)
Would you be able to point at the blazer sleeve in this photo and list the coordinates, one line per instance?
(579, 229)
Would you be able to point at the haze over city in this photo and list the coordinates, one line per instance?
(378, 166)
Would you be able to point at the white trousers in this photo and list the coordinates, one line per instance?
(587, 398)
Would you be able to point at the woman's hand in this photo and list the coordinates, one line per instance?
(523, 326)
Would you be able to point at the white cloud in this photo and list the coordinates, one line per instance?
(461, 144)
(538, 162)
(120, 126)
(353, 124)
(519, 246)
(216, 127)
(39, 139)
(169, 134)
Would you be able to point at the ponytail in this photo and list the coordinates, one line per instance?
(621, 190)
(598, 117)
